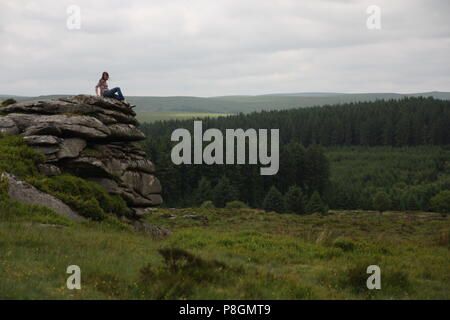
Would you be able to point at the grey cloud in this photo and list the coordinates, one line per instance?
(203, 47)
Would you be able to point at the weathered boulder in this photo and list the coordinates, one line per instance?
(71, 148)
(49, 169)
(42, 140)
(24, 192)
(154, 231)
(92, 137)
(8, 126)
(125, 132)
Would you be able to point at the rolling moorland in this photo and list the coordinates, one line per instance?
(297, 246)
(246, 104)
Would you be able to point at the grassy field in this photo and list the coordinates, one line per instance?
(227, 253)
(157, 116)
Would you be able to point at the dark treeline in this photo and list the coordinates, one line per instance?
(304, 168)
(406, 122)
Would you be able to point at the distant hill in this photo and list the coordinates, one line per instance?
(305, 94)
(246, 104)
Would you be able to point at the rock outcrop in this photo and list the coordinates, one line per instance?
(92, 137)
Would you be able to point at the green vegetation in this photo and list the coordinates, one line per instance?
(398, 147)
(295, 200)
(316, 205)
(381, 201)
(410, 176)
(236, 205)
(87, 198)
(7, 102)
(208, 204)
(17, 158)
(274, 201)
(234, 254)
(14, 211)
(203, 191)
(441, 202)
(4, 186)
(306, 167)
(224, 192)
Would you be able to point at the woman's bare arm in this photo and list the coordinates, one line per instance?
(96, 89)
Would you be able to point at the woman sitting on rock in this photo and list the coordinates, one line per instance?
(114, 93)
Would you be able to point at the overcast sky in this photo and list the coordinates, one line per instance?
(223, 47)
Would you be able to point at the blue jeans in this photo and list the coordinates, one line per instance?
(114, 93)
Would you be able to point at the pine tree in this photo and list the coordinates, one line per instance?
(274, 201)
(316, 205)
(203, 192)
(412, 202)
(381, 201)
(295, 200)
(224, 192)
(441, 202)
(317, 169)
(292, 166)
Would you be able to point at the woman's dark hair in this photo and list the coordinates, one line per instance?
(104, 74)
